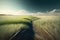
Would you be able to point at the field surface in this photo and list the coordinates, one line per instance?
(30, 27)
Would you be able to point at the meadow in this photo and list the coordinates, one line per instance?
(43, 27)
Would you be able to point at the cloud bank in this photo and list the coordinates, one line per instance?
(25, 12)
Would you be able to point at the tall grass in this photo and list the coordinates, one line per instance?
(7, 30)
(47, 28)
(11, 24)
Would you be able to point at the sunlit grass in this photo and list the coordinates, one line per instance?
(11, 24)
(47, 27)
(13, 19)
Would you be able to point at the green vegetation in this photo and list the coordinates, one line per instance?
(11, 24)
(45, 27)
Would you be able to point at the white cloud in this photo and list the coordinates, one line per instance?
(24, 12)
(53, 10)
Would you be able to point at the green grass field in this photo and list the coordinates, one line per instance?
(45, 27)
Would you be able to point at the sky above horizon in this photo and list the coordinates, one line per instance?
(29, 5)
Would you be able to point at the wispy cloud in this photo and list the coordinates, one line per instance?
(54, 10)
(24, 12)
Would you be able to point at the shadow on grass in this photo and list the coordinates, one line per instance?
(25, 34)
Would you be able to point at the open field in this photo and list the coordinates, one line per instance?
(39, 27)
(47, 28)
